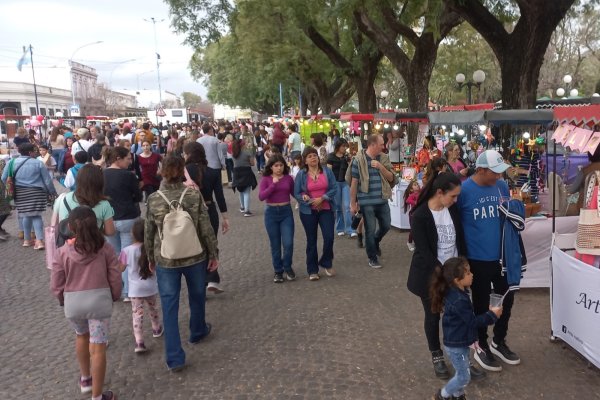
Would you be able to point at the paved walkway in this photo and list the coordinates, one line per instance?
(356, 336)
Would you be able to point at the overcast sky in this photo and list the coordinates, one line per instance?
(56, 29)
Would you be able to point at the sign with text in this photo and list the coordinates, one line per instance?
(74, 110)
(576, 304)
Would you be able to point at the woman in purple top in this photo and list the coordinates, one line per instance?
(276, 187)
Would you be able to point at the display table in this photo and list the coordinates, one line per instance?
(575, 310)
(398, 216)
(537, 238)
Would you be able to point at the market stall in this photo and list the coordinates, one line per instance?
(575, 278)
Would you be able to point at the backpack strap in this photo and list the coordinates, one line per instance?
(169, 203)
(182, 195)
(66, 205)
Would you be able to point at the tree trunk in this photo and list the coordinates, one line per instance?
(418, 75)
(367, 101)
(521, 52)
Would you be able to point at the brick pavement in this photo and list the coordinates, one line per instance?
(356, 336)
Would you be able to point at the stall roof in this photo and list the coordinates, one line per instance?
(517, 117)
(356, 117)
(457, 117)
(586, 115)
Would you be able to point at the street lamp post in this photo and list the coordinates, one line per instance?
(157, 57)
(384, 94)
(71, 65)
(478, 79)
(561, 92)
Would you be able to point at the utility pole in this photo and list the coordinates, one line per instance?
(157, 57)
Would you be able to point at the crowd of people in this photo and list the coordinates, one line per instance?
(106, 251)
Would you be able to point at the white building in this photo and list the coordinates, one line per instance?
(18, 98)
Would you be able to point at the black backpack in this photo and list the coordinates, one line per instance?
(64, 233)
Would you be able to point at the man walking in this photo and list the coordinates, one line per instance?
(479, 200)
(294, 142)
(213, 183)
(370, 188)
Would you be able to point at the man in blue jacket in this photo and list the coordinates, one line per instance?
(479, 203)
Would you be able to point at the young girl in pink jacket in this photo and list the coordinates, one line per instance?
(86, 279)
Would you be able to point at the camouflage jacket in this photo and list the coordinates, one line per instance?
(156, 210)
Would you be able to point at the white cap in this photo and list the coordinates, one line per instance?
(493, 160)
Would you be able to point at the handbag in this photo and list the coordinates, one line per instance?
(588, 227)
(11, 179)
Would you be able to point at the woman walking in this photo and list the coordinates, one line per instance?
(65, 158)
(438, 236)
(169, 271)
(122, 189)
(149, 163)
(339, 161)
(57, 143)
(33, 184)
(315, 189)
(455, 162)
(276, 187)
(195, 165)
(244, 180)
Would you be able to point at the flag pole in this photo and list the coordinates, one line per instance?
(37, 106)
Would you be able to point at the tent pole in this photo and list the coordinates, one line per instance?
(554, 189)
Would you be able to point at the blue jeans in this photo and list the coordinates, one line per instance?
(374, 215)
(245, 199)
(56, 154)
(260, 160)
(38, 227)
(279, 221)
(311, 222)
(459, 356)
(343, 218)
(169, 288)
(121, 239)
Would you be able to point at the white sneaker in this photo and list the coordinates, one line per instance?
(353, 234)
(411, 246)
(341, 233)
(214, 288)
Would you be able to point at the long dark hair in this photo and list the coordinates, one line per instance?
(277, 157)
(84, 226)
(236, 148)
(137, 231)
(114, 153)
(407, 193)
(444, 181)
(90, 185)
(433, 167)
(196, 158)
(443, 279)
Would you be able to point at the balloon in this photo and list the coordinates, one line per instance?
(34, 123)
(40, 118)
(55, 122)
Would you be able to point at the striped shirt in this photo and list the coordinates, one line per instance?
(374, 196)
(530, 163)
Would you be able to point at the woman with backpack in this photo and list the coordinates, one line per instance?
(244, 180)
(89, 192)
(188, 251)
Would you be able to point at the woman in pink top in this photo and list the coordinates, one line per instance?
(276, 187)
(315, 189)
(455, 162)
(86, 279)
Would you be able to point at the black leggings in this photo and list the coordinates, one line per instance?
(484, 274)
(213, 215)
(431, 325)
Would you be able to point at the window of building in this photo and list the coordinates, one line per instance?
(32, 111)
(42, 111)
(51, 112)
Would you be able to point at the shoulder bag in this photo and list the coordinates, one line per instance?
(588, 227)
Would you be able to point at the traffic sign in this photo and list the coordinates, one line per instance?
(160, 112)
(74, 110)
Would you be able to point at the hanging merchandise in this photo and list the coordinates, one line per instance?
(588, 228)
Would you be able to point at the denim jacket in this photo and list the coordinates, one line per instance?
(31, 174)
(300, 188)
(459, 322)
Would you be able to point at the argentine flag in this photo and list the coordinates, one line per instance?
(25, 59)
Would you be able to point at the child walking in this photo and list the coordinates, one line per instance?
(143, 287)
(411, 195)
(459, 322)
(86, 279)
